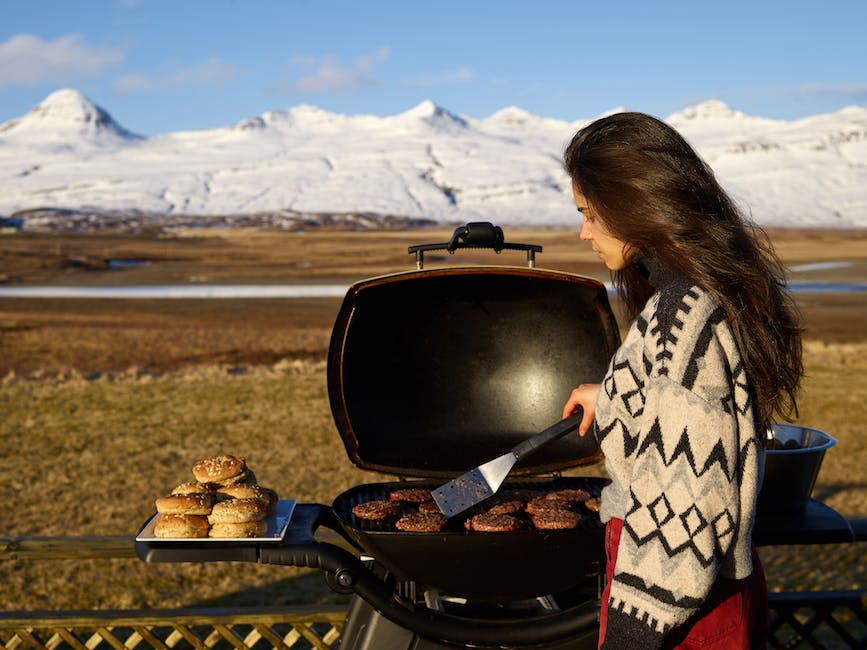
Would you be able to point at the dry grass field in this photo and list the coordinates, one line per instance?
(105, 404)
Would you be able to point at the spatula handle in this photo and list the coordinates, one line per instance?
(551, 433)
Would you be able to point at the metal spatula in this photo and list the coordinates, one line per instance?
(482, 482)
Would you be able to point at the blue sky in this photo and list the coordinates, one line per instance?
(168, 65)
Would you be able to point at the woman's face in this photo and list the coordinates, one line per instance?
(612, 251)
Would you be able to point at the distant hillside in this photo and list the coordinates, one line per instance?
(68, 158)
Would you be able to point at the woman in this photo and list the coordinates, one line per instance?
(713, 355)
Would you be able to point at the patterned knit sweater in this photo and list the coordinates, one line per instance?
(675, 421)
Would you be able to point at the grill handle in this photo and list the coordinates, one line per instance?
(476, 234)
(299, 548)
(550, 434)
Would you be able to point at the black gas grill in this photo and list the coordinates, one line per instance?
(430, 373)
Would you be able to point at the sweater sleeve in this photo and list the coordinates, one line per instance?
(682, 515)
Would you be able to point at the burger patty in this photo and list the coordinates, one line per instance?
(488, 523)
(505, 508)
(523, 495)
(377, 509)
(568, 494)
(556, 520)
(429, 507)
(413, 495)
(593, 504)
(544, 504)
(420, 522)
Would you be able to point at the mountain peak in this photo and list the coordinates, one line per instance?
(68, 101)
(711, 109)
(427, 108)
(513, 115)
(68, 112)
(434, 115)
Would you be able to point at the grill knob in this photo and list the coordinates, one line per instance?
(345, 578)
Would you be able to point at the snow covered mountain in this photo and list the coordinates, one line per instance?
(425, 163)
(65, 120)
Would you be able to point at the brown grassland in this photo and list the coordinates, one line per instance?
(105, 404)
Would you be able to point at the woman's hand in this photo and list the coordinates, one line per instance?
(585, 397)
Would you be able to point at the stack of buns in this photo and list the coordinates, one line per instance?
(223, 501)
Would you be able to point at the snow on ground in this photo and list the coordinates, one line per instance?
(423, 163)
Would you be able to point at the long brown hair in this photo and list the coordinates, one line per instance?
(652, 191)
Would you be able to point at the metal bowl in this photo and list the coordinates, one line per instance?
(792, 463)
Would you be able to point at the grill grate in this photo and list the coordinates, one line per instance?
(344, 503)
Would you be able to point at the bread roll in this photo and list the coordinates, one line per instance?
(248, 491)
(194, 487)
(185, 504)
(247, 476)
(169, 525)
(236, 511)
(241, 529)
(224, 469)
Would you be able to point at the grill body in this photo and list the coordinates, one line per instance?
(493, 566)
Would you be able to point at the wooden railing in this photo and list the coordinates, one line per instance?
(67, 548)
(823, 620)
(260, 627)
(296, 627)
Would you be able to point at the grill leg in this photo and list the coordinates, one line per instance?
(366, 629)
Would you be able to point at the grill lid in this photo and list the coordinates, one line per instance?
(436, 371)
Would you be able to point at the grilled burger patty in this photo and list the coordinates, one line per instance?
(505, 507)
(429, 507)
(377, 509)
(522, 494)
(543, 504)
(413, 495)
(593, 504)
(421, 522)
(568, 494)
(488, 523)
(556, 520)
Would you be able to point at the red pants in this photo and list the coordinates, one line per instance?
(734, 616)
